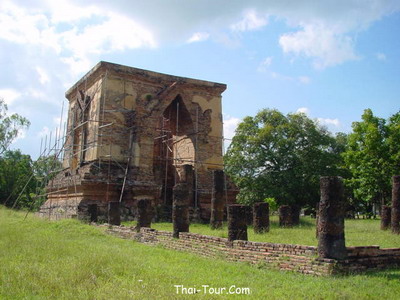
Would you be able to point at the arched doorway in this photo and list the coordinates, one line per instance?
(173, 147)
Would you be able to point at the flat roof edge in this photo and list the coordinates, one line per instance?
(150, 75)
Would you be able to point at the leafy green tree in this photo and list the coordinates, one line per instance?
(281, 157)
(10, 125)
(369, 160)
(45, 169)
(16, 179)
(393, 142)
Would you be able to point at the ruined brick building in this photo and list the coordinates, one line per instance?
(129, 134)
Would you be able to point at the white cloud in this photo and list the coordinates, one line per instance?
(19, 26)
(250, 21)
(230, 125)
(56, 120)
(322, 121)
(323, 31)
(279, 76)
(304, 79)
(327, 121)
(322, 44)
(9, 95)
(63, 11)
(304, 110)
(80, 32)
(35, 93)
(265, 64)
(381, 56)
(43, 76)
(77, 45)
(44, 132)
(198, 37)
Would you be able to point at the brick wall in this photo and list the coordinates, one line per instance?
(288, 257)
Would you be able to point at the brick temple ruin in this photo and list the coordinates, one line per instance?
(131, 134)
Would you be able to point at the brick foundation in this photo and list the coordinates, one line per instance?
(297, 258)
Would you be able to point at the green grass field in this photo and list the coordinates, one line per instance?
(66, 259)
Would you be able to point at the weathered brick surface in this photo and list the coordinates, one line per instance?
(153, 124)
(288, 257)
(395, 217)
(261, 217)
(331, 240)
(217, 200)
(144, 213)
(237, 225)
(386, 217)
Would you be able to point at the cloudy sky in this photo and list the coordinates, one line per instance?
(329, 59)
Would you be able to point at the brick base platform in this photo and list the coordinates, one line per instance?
(298, 258)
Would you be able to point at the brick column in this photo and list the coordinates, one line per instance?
(295, 214)
(261, 217)
(285, 216)
(386, 211)
(395, 222)
(93, 213)
(217, 200)
(144, 213)
(187, 174)
(114, 214)
(316, 219)
(237, 227)
(180, 209)
(331, 241)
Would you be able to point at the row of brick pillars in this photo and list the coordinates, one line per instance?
(330, 224)
(331, 239)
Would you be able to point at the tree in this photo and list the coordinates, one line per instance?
(45, 169)
(9, 126)
(373, 156)
(282, 157)
(16, 179)
(393, 142)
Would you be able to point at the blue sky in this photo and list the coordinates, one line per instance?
(329, 59)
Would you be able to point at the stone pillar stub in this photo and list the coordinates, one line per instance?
(386, 217)
(285, 216)
(93, 212)
(186, 175)
(114, 214)
(316, 219)
(217, 200)
(237, 225)
(331, 240)
(295, 214)
(395, 222)
(180, 208)
(261, 217)
(144, 213)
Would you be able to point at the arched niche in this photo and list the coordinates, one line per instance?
(174, 145)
